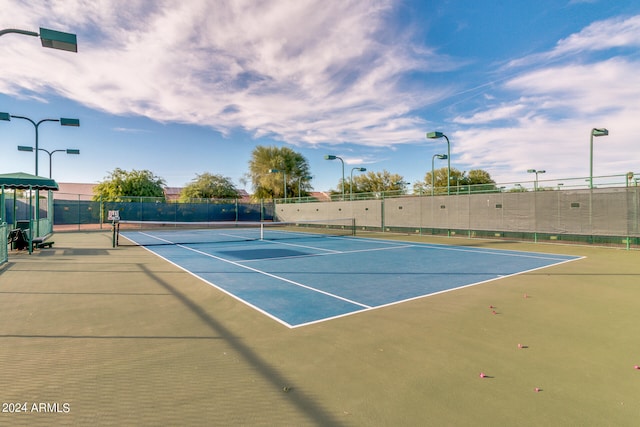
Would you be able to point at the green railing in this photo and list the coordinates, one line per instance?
(4, 233)
(575, 183)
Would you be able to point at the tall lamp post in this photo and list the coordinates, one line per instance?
(594, 132)
(536, 172)
(437, 135)
(351, 181)
(284, 179)
(402, 185)
(50, 153)
(63, 122)
(332, 157)
(433, 170)
(49, 38)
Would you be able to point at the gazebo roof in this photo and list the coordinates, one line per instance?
(25, 181)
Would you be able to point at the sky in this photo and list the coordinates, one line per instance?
(184, 88)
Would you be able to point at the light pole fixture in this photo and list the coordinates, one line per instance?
(433, 170)
(594, 132)
(63, 122)
(351, 180)
(50, 153)
(402, 185)
(437, 135)
(49, 38)
(284, 179)
(536, 172)
(332, 157)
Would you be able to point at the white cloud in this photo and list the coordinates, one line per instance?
(615, 32)
(304, 72)
(584, 88)
(503, 112)
(129, 130)
(542, 118)
(600, 35)
(571, 2)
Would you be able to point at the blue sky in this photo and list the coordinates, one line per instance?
(182, 88)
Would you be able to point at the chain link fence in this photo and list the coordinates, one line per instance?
(81, 212)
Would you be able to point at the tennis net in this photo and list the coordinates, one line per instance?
(151, 233)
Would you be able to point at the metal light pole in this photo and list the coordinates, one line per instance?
(433, 170)
(437, 135)
(536, 172)
(351, 181)
(63, 122)
(50, 153)
(332, 157)
(594, 132)
(402, 184)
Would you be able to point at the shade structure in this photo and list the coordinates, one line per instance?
(25, 181)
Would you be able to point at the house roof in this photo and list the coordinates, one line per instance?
(75, 191)
(320, 195)
(172, 191)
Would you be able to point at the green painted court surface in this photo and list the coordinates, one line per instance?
(128, 339)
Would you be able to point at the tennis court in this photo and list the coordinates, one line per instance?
(299, 277)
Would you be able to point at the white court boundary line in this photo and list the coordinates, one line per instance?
(501, 252)
(274, 276)
(436, 293)
(255, 270)
(365, 308)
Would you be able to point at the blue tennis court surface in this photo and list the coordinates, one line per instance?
(307, 280)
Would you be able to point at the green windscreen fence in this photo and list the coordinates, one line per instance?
(608, 212)
(4, 233)
(82, 211)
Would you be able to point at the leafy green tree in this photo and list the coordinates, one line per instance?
(476, 180)
(439, 183)
(375, 182)
(209, 186)
(121, 184)
(282, 162)
(480, 181)
(517, 189)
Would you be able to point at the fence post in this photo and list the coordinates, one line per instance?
(382, 212)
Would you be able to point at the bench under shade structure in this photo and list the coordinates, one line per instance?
(23, 231)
